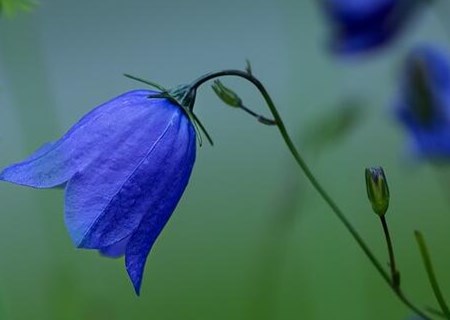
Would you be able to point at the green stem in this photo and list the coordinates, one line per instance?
(395, 274)
(308, 173)
(430, 272)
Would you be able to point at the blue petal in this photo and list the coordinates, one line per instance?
(359, 41)
(115, 250)
(430, 134)
(54, 164)
(436, 65)
(106, 201)
(433, 145)
(363, 25)
(360, 12)
(165, 196)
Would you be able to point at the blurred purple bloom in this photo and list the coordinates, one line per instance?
(423, 105)
(362, 25)
(124, 167)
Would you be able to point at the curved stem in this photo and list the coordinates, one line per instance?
(308, 173)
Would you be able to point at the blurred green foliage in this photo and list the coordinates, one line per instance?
(332, 127)
(9, 8)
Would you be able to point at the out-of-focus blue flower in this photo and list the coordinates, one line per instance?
(362, 25)
(124, 167)
(423, 104)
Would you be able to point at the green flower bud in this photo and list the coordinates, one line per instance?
(377, 190)
(227, 95)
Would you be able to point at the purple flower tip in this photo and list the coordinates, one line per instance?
(124, 166)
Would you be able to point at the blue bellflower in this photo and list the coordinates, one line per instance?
(124, 167)
(362, 25)
(423, 105)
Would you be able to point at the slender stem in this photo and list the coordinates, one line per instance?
(395, 274)
(308, 173)
(258, 117)
(430, 272)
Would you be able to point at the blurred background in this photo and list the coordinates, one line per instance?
(250, 239)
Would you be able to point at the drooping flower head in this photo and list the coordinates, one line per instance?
(423, 105)
(124, 167)
(362, 25)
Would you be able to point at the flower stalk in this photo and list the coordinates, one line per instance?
(378, 194)
(310, 176)
(395, 274)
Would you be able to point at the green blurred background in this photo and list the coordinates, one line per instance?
(250, 239)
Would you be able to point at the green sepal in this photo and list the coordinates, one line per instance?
(183, 96)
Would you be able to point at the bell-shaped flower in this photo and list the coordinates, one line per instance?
(361, 25)
(124, 167)
(423, 103)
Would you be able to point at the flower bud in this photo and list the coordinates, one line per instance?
(227, 95)
(377, 190)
